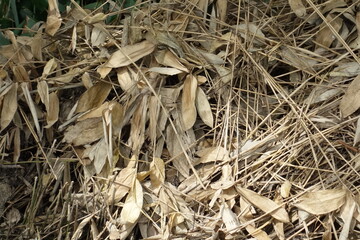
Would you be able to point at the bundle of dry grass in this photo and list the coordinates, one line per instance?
(187, 119)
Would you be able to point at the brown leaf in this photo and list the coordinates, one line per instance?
(188, 109)
(9, 106)
(322, 201)
(93, 97)
(84, 132)
(52, 110)
(129, 54)
(53, 21)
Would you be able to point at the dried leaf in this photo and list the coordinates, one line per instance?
(129, 54)
(165, 71)
(188, 109)
(285, 189)
(121, 185)
(53, 21)
(84, 132)
(265, 204)
(32, 107)
(230, 219)
(325, 36)
(322, 201)
(133, 204)
(203, 108)
(9, 106)
(93, 97)
(78, 232)
(157, 172)
(167, 58)
(52, 110)
(213, 154)
(349, 69)
(351, 100)
(298, 7)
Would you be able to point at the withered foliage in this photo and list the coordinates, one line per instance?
(189, 119)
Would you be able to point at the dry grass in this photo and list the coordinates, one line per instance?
(183, 120)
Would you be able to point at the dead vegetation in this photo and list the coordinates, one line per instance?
(183, 119)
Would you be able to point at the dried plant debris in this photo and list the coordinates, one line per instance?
(183, 120)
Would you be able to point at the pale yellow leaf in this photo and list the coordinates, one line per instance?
(133, 204)
(165, 71)
(129, 54)
(265, 204)
(157, 172)
(351, 100)
(168, 59)
(50, 66)
(121, 185)
(9, 106)
(322, 201)
(203, 108)
(93, 97)
(188, 109)
(213, 154)
(285, 189)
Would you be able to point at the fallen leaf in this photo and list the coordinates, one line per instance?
(351, 100)
(93, 97)
(298, 8)
(322, 201)
(188, 109)
(129, 54)
(266, 205)
(9, 106)
(203, 108)
(133, 204)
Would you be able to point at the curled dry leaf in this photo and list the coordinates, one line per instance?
(188, 109)
(351, 100)
(203, 108)
(9, 106)
(322, 202)
(129, 54)
(265, 204)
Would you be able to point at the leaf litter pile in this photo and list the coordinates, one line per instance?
(183, 120)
